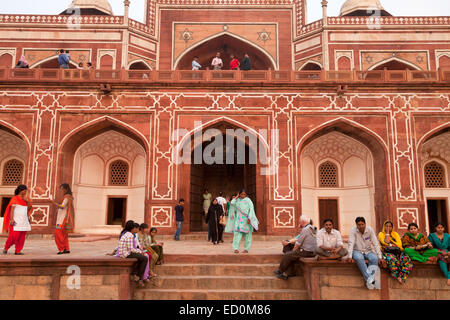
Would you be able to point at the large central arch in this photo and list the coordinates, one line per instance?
(195, 177)
(226, 44)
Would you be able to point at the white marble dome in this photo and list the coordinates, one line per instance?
(360, 7)
(100, 5)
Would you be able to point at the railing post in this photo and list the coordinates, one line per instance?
(269, 75)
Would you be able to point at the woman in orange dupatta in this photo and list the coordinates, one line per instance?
(16, 220)
(64, 220)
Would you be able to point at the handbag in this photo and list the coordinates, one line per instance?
(392, 250)
(223, 220)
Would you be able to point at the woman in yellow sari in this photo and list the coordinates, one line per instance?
(397, 261)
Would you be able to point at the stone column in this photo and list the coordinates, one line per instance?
(126, 34)
(325, 53)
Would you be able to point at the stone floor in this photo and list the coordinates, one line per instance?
(81, 248)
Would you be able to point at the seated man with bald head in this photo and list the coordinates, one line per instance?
(305, 247)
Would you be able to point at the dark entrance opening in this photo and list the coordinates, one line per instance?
(437, 212)
(226, 178)
(328, 209)
(5, 202)
(117, 210)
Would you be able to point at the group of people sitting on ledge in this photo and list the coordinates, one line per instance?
(139, 242)
(388, 249)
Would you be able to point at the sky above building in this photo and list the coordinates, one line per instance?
(395, 7)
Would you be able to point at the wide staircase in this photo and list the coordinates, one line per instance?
(222, 277)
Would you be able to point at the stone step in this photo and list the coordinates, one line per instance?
(226, 236)
(170, 269)
(226, 282)
(230, 294)
(223, 258)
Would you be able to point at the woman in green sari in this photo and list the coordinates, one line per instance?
(441, 241)
(242, 221)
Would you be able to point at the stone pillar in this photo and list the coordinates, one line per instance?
(325, 53)
(126, 34)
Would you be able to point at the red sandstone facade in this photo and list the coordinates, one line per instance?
(377, 90)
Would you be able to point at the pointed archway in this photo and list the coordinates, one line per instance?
(227, 45)
(195, 177)
(378, 154)
(394, 64)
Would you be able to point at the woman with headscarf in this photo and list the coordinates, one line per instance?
(397, 261)
(417, 246)
(206, 200)
(242, 221)
(64, 220)
(441, 241)
(23, 63)
(212, 218)
(16, 220)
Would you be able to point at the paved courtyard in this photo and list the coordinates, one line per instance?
(80, 248)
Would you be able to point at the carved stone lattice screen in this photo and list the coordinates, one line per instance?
(434, 175)
(118, 173)
(12, 173)
(328, 175)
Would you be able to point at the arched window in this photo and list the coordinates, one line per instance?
(328, 175)
(434, 175)
(118, 173)
(12, 173)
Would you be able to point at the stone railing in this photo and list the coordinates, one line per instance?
(59, 19)
(311, 27)
(393, 21)
(208, 76)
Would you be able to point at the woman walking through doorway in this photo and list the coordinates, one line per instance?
(215, 230)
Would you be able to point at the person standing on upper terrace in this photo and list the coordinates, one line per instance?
(363, 244)
(246, 63)
(63, 59)
(23, 63)
(195, 65)
(217, 63)
(234, 64)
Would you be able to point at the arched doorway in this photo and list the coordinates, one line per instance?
(52, 63)
(106, 165)
(139, 65)
(435, 167)
(311, 66)
(13, 164)
(395, 64)
(6, 61)
(360, 168)
(337, 181)
(241, 170)
(226, 45)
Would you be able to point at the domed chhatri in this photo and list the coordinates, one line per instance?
(362, 8)
(91, 7)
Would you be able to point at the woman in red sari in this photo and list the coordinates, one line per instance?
(16, 220)
(64, 220)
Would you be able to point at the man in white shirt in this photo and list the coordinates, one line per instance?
(217, 63)
(329, 242)
(363, 244)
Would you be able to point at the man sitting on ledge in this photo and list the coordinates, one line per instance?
(329, 242)
(363, 244)
(305, 247)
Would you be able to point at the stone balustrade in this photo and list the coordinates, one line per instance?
(208, 76)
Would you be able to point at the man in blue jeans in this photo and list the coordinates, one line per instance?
(179, 218)
(363, 244)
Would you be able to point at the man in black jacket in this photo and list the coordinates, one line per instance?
(246, 63)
